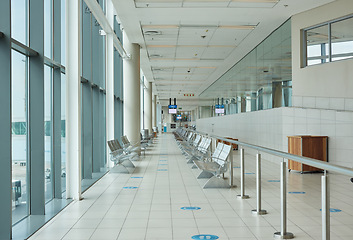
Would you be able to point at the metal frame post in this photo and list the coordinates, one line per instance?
(325, 207)
(231, 172)
(258, 210)
(283, 234)
(242, 178)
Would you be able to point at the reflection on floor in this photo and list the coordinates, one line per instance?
(147, 204)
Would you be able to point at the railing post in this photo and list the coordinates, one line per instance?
(231, 158)
(242, 178)
(325, 207)
(258, 210)
(283, 234)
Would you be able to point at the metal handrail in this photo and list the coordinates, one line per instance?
(325, 189)
(306, 160)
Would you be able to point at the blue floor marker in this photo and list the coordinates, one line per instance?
(273, 181)
(136, 177)
(162, 160)
(190, 208)
(129, 187)
(205, 236)
(296, 192)
(162, 170)
(249, 173)
(334, 210)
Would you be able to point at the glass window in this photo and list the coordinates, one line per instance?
(19, 136)
(317, 45)
(19, 20)
(48, 28)
(335, 36)
(63, 133)
(63, 33)
(342, 39)
(48, 134)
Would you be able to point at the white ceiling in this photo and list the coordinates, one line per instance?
(186, 45)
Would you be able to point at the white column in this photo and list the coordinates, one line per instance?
(73, 99)
(131, 80)
(154, 111)
(109, 81)
(148, 107)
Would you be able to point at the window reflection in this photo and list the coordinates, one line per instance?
(19, 20)
(342, 39)
(63, 133)
(19, 136)
(317, 45)
(48, 174)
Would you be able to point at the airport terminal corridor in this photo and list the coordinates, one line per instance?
(163, 199)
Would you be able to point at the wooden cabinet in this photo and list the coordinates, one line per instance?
(307, 146)
(234, 146)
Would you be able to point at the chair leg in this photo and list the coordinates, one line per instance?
(128, 163)
(119, 169)
(205, 174)
(215, 182)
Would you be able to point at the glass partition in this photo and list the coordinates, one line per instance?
(261, 80)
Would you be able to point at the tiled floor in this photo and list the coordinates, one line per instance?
(165, 183)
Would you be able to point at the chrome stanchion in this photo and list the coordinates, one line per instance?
(242, 178)
(231, 156)
(325, 207)
(258, 210)
(283, 234)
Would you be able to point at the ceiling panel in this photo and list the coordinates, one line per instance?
(221, 32)
(246, 4)
(228, 36)
(217, 52)
(205, 3)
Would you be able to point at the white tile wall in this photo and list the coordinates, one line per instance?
(270, 128)
(323, 103)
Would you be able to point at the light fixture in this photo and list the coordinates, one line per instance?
(152, 33)
(160, 26)
(257, 1)
(240, 27)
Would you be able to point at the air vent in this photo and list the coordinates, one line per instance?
(153, 32)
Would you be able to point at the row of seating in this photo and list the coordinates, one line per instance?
(196, 149)
(123, 155)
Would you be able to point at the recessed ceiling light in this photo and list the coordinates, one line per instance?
(152, 33)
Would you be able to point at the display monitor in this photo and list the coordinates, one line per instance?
(172, 110)
(219, 109)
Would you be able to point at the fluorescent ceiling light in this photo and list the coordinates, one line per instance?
(160, 26)
(257, 1)
(241, 27)
(191, 46)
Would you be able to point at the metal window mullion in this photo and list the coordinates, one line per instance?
(23, 49)
(56, 104)
(329, 43)
(5, 122)
(36, 109)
